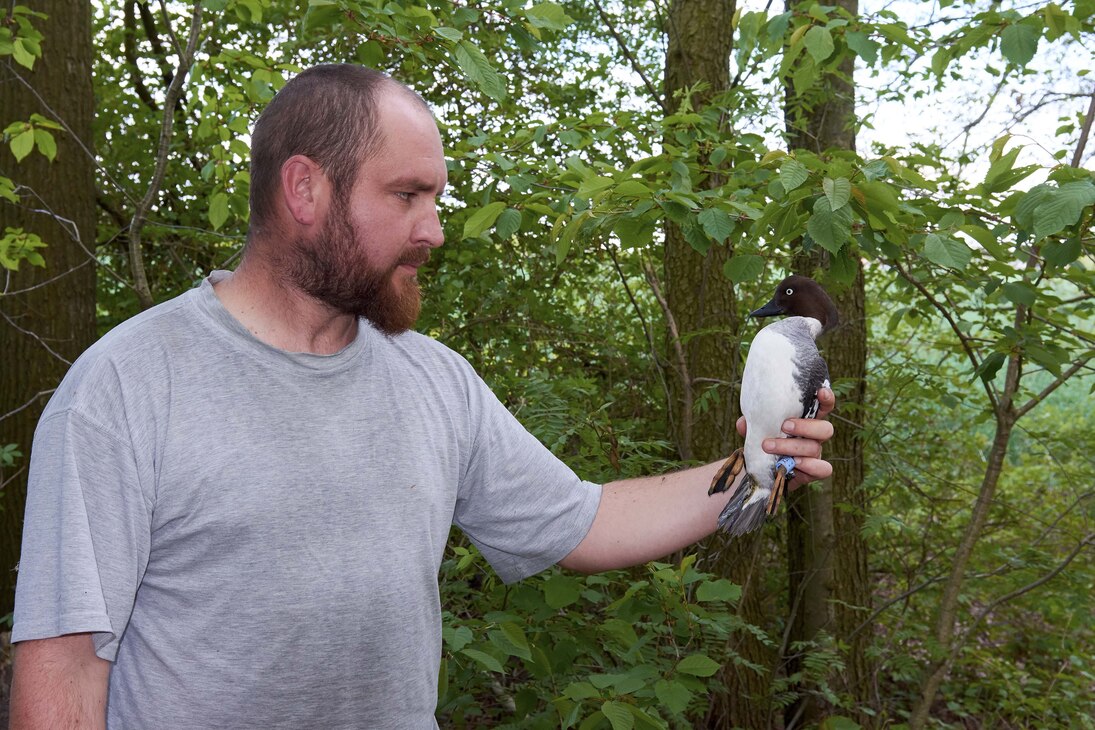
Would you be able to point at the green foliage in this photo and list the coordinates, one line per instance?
(613, 650)
(18, 36)
(18, 245)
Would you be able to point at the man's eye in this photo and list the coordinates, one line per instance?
(405, 196)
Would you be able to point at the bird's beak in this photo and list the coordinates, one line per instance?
(770, 309)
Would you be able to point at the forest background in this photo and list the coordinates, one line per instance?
(627, 180)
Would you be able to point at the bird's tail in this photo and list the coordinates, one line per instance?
(745, 511)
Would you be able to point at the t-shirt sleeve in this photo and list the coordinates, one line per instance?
(522, 507)
(86, 534)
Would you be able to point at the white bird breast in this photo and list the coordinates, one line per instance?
(769, 396)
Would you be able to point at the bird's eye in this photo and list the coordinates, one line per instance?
(790, 292)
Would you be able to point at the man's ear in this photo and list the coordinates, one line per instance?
(304, 189)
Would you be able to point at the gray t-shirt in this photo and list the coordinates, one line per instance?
(254, 536)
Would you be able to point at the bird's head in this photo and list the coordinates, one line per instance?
(800, 296)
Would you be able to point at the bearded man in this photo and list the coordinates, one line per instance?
(239, 499)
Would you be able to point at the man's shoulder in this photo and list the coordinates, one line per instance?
(138, 350)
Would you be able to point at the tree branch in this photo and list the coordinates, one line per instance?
(990, 389)
(635, 66)
(186, 57)
(1085, 131)
(682, 364)
(1057, 383)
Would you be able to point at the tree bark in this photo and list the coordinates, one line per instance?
(47, 316)
(827, 555)
(703, 305)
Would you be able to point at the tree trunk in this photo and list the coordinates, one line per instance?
(47, 316)
(827, 556)
(703, 305)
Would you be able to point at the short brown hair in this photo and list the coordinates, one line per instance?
(326, 113)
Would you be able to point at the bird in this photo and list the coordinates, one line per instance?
(783, 372)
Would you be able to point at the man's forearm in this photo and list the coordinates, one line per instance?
(58, 684)
(648, 518)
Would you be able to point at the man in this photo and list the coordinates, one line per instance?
(239, 499)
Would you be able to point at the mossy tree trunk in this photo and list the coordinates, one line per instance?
(47, 315)
(827, 555)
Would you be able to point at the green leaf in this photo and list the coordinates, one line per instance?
(22, 144)
(716, 223)
(990, 366)
(635, 231)
(743, 268)
(483, 219)
(1062, 253)
(22, 54)
(830, 228)
(515, 638)
(46, 144)
(862, 45)
(449, 34)
(508, 223)
(673, 695)
(581, 691)
(838, 191)
(633, 189)
(1019, 43)
(819, 43)
(562, 246)
(618, 715)
(479, 70)
(719, 590)
(549, 16)
(218, 210)
(1020, 293)
(484, 659)
(561, 590)
(792, 173)
(838, 722)
(698, 665)
(1063, 208)
(593, 185)
(946, 251)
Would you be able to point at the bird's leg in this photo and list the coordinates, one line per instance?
(784, 472)
(725, 476)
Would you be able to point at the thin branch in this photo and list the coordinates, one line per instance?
(990, 389)
(28, 404)
(1088, 540)
(682, 364)
(1085, 131)
(635, 66)
(1057, 383)
(140, 277)
(35, 336)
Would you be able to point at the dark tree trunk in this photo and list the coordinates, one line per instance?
(47, 316)
(703, 305)
(827, 555)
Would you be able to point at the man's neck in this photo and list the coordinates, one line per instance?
(281, 315)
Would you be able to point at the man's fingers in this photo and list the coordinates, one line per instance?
(808, 428)
(741, 426)
(826, 401)
(793, 447)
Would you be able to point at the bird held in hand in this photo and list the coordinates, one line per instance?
(783, 372)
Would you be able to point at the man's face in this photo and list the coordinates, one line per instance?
(365, 258)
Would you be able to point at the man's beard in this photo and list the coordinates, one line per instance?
(335, 269)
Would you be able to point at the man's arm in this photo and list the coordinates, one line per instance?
(648, 518)
(58, 684)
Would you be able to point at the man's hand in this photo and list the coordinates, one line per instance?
(810, 434)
